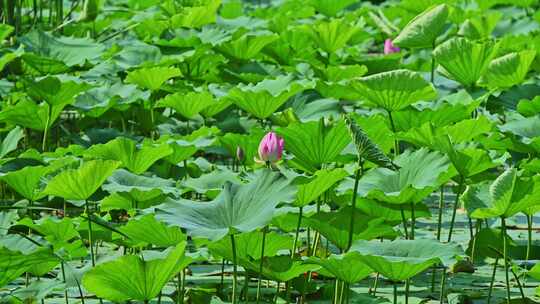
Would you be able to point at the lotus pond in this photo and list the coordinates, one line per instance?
(292, 151)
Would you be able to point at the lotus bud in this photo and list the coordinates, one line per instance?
(271, 148)
(389, 47)
(240, 154)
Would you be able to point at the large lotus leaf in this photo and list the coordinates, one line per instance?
(400, 260)
(139, 187)
(69, 50)
(282, 268)
(335, 226)
(187, 104)
(96, 101)
(15, 263)
(132, 277)
(54, 91)
(480, 26)
(331, 35)
(152, 78)
(365, 147)
(79, 184)
(54, 229)
(264, 98)
(147, 230)
(7, 219)
(237, 208)
(195, 16)
(488, 242)
(506, 196)
(391, 213)
(463, 60)
(508, 70)
(136, 159)
(322, 181)
(185, 146)
(314, 143)
(330, 8)
(394, 90)
(212, 181)
(423, 30)
(248, 45)
(348, 267)
(419, 173)
(27, 181)
(249, 246)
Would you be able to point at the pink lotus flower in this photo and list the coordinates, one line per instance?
(271, 148)
(389, 47)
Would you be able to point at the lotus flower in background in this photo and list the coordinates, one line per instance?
(271, 148)
(389, 47)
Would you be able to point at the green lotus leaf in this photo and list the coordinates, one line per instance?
(331, 35)
(488, 242)
(212, 181)
(314, 143)
(240, 208)
(139, 187)
(480, 26)
(330, 8)
(508, 195)
(391, 213)
(249, 45)
(394, 90)
(264, 98)
(419, 173)
(15, 263)
(187, 104)
(463, 60)
(54, 91)
(10, 142)
(248, 143)
(185, 146)
(68, 50)
(249, 246)
(282, 268)
(423, 30)
(152, 78)
(197, 15)
(79, 184)
(347, 267)
(335, 226)
(133, 278)
(367, 149)
(400, 260)
(136, 159)
(146, 230)
(508, 70)
(322, 181)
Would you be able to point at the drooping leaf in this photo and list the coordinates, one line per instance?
(331, 35)
(10, 142)
(346, 267)
(248, 45)
(197, 14)
(366, 149)
(394, 90)
(249, 245)
(509, 70)
(241, 208)
(321, 182)
(147, 230)
(330, 8)
(187, 104)
(423, 30)
(15, 263)
(133, 278)
(79, 184)
(140, 187)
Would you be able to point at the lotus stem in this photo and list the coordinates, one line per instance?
(396, 142)
(529, 237)
(432, 75)
(88, 212)
(64, 280)
(505, 257)
(471, 233)
(395, 293)
(299, 223)
(46, 130)
(413, 221)
(443, 283)
(259, 282)
(359, 171)
(407, 286)
(490, 290)
(233, 247)
(456, 204)
(375, 284)
(404, 221)
(519, 285)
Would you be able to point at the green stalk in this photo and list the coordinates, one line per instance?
(519, 285)
(432, 75)
(490, 290)
(529, 237)
(180, 297)
(233, 246)
(407, 287)
(88, 213)
(404, 221)
(64, 280)
(413, 221)
(505, 257)
(46, 131)
(259, 282)
(396, 142)
(353, 203)
(456, 204)
(443, 282)
(395, 293)
(295, 244)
